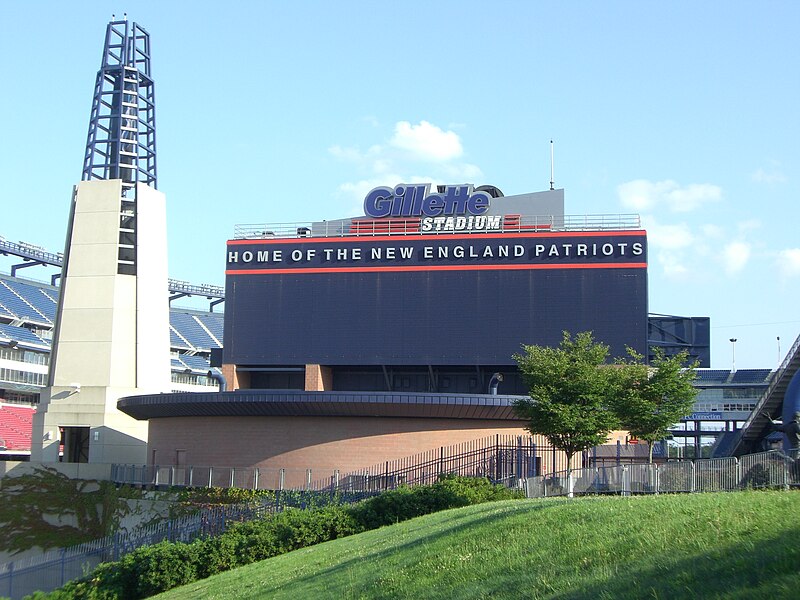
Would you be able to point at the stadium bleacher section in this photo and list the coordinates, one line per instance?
(18, 301)
(27, 315)
(16, 423)
(751, 376)
(23, 337)
(712, 376)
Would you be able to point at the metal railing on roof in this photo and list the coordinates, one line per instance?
(360, 226)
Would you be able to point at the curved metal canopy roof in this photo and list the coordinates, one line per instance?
(264, 403)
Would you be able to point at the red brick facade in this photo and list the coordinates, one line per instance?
(324, 443)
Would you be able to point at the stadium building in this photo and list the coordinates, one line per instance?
(346, 343)
(354, 342)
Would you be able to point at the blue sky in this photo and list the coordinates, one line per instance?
(684, 112)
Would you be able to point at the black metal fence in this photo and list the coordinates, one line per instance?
(500, 458)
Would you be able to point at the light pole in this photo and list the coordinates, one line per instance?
(733, 354)
(779, 350)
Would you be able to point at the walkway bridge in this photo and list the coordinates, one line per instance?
(749, 438)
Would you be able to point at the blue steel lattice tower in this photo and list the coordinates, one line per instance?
(122, 128)
(111, 336)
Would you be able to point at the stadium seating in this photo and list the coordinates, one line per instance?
(750, 376)
(213, 322)
(712, 375)
(176, 342)
(35, 296)
(27, 306)
(190, 329)
(20, 308)
(16, 423)
(23, 336)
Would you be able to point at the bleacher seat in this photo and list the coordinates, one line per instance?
(712, 375)
(35, 296)
(191, 330)
(23, 336)
(16, 426)
(750, 375)
(197, 363)
(214, 322)
(176, 342)
(19, 307)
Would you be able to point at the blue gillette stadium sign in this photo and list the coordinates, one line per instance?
(415, 201)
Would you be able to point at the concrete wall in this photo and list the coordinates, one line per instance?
(112, 330)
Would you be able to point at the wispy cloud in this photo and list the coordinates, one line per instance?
(426, 141)
(769, 175)
(645, 195)
(412, 153)
(789, 262)
(735, 256)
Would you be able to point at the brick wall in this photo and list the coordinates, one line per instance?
(319, 443)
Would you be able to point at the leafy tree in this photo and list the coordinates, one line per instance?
(572, 392)
(658, 397)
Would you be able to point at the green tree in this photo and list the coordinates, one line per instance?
(657, 397)
(572, 392)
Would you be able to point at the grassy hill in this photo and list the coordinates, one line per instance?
(730, 545)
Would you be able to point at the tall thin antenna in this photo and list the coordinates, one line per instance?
(552, 167)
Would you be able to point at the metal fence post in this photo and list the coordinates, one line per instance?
(63, 564)
(626, 482)
(657, 480)
(785, 464)
(692, 484)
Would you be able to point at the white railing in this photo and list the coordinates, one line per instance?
(360, 227)
(773, 469)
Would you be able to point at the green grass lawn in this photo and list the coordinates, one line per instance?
(729, 545)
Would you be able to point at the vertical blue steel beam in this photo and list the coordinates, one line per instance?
(121, 142)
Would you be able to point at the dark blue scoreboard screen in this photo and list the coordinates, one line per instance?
(431, 299)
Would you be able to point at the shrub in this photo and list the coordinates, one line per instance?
(153, 569)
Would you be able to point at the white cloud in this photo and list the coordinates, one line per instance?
(667, 237)
(749, 225)
(712, 231)
(735, 256)
(398, 160)
(427, 141)
(673, 267)
(643, 195)
(768, 176)
(789, 262)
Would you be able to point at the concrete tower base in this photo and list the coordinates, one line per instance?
(112, 326)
